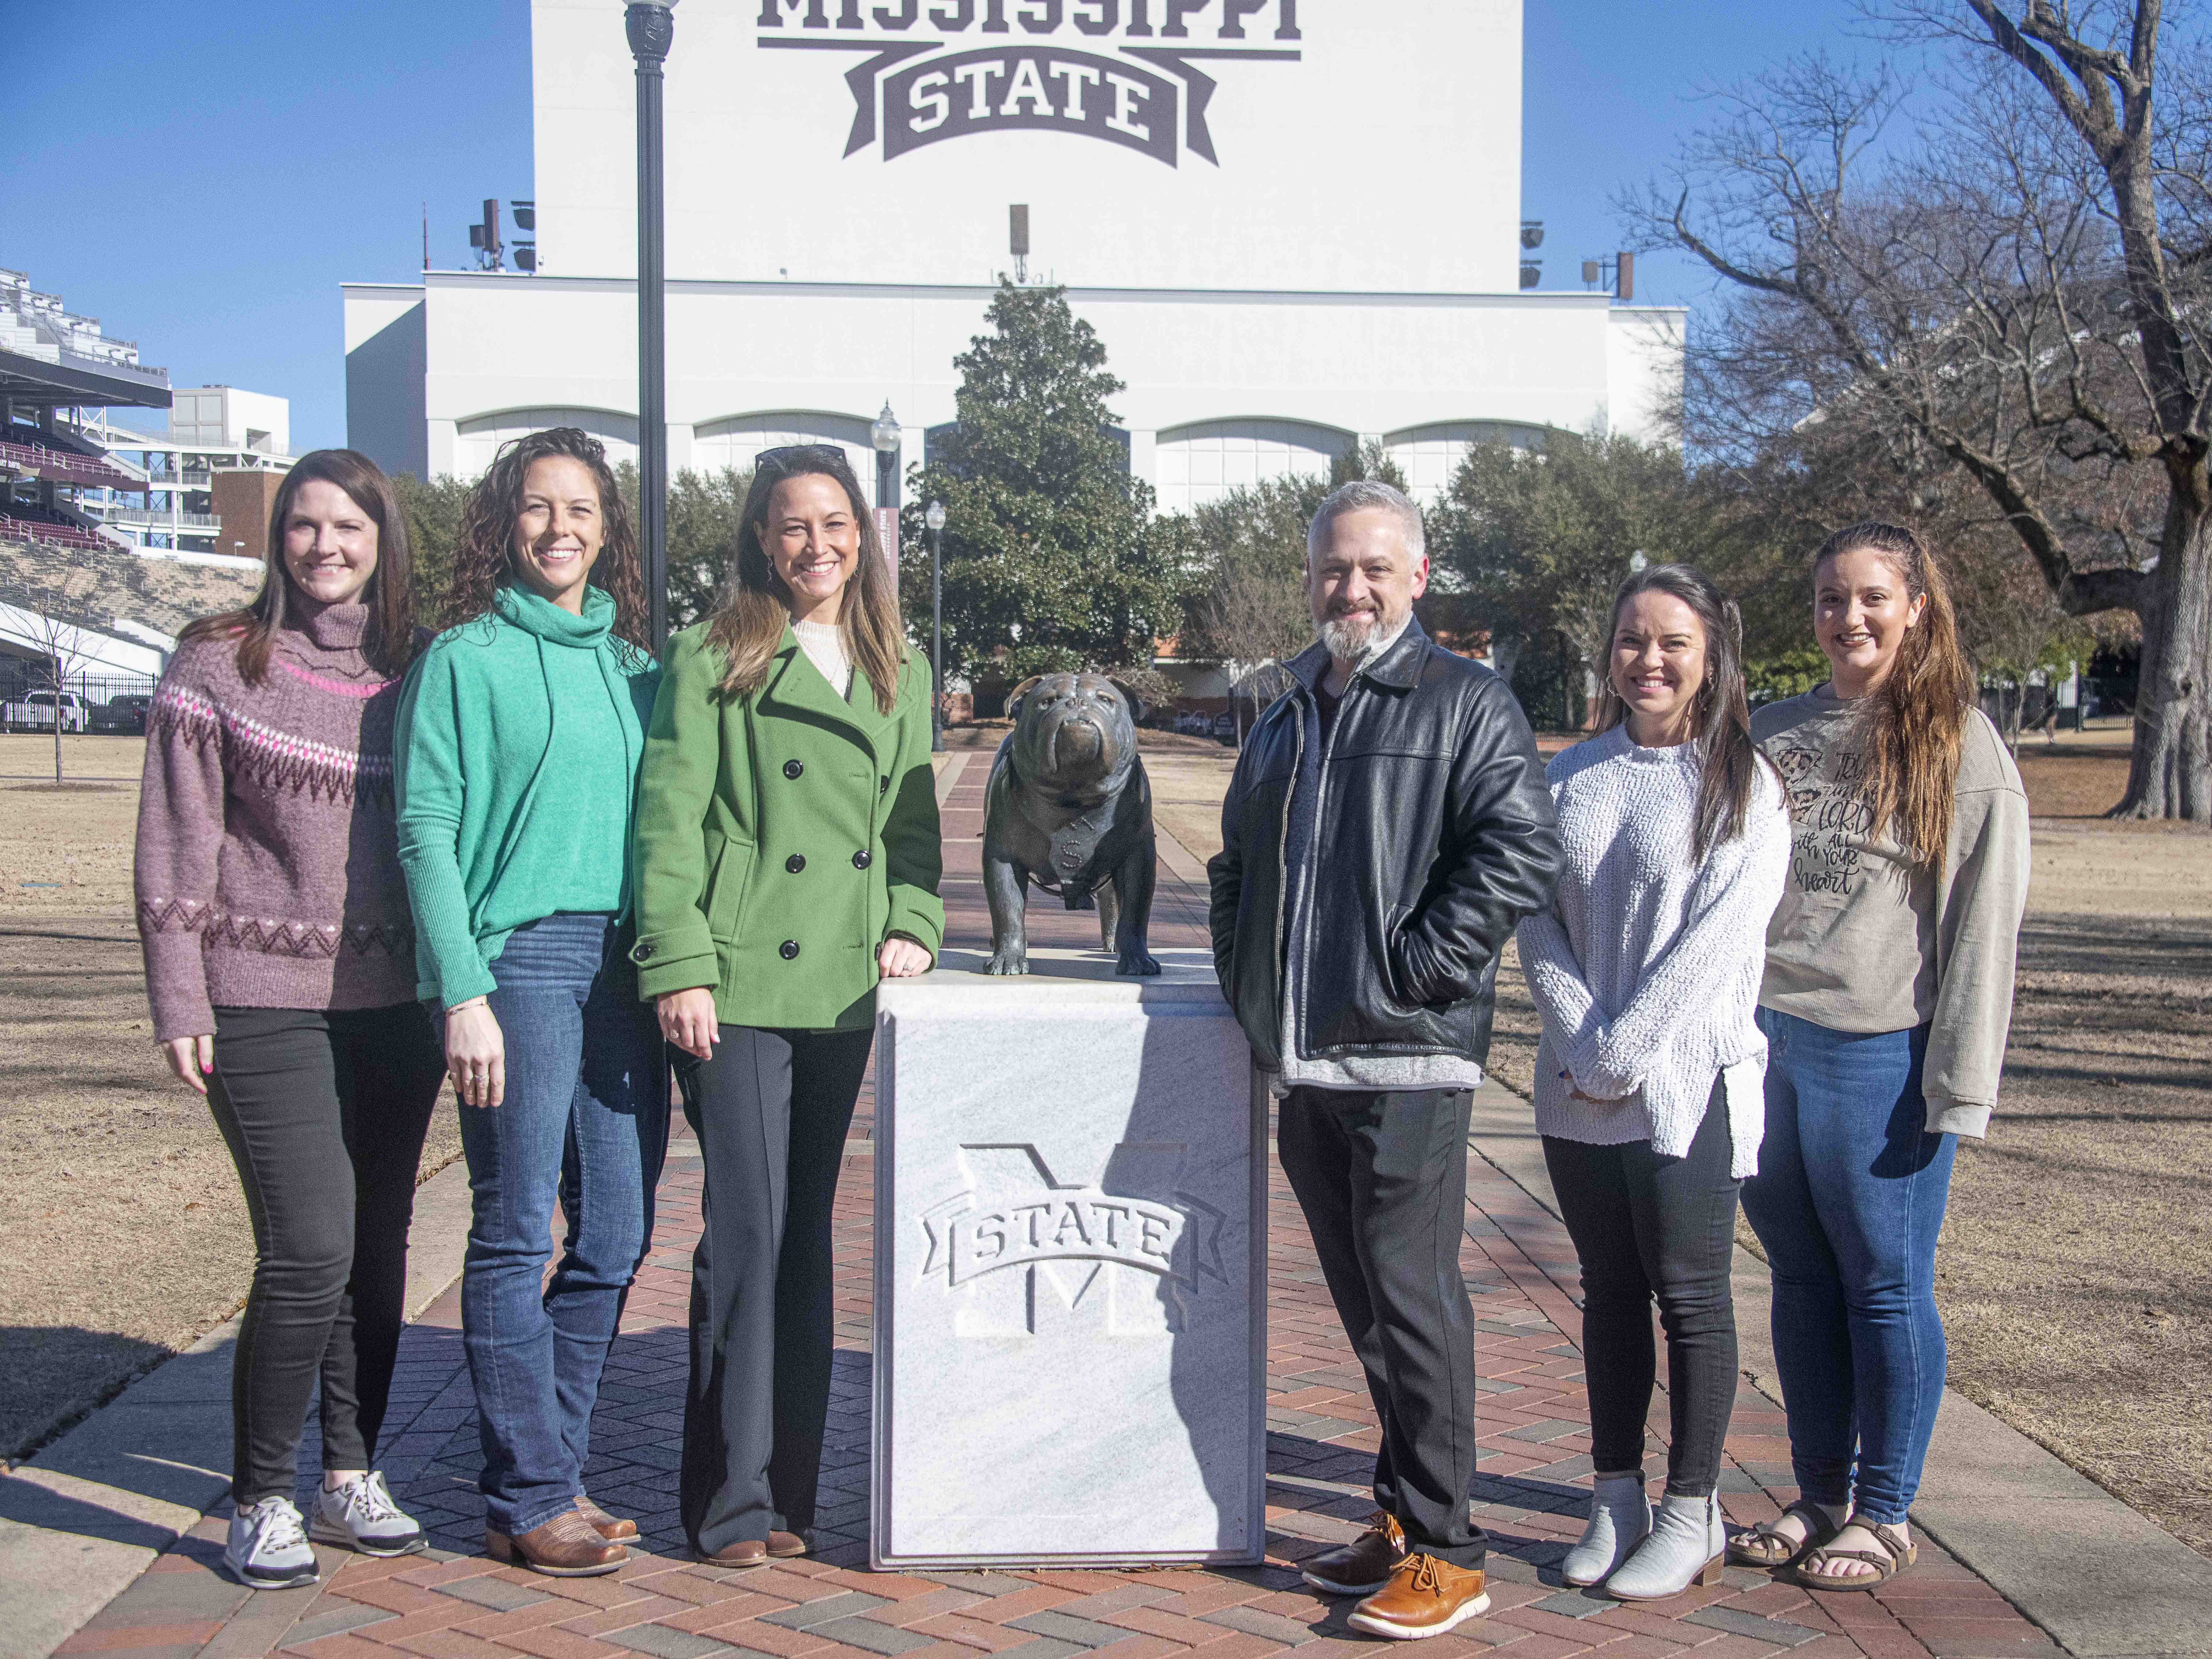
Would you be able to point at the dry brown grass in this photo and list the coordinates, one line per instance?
(126, 1235)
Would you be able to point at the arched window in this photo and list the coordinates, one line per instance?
(1203, 462)
(480, 436)
(1429, 456)
(734, 441)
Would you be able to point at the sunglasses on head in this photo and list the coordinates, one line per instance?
(793, 455)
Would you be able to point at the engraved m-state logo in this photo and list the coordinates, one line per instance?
(1025, 1249)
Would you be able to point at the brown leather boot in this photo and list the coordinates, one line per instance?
(751, 1553)
(1424, 1597)
(567, 1546)
(1362, 1566)
(612, 1528)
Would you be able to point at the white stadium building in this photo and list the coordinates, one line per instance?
(1296, 224)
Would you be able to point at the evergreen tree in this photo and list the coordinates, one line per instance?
(1055, 558)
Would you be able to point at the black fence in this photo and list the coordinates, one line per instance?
(113, 704)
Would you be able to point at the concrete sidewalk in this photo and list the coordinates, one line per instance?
(113, 1533)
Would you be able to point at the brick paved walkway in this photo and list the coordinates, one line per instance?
(1519, 1267)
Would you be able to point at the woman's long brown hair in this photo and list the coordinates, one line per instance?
(389, 640)
(1912, 725)
(485, 556)
(748, 623)
(1722, 716)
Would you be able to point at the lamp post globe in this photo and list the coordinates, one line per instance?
(932, 519)
(886, 435)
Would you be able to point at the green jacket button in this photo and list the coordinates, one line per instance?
(642, 952)
(789, 949)
(795, 863)
(792, 769)
(862, 858)
(882, 786)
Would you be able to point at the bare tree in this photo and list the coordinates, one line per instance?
(60, 582)
(2023, 293)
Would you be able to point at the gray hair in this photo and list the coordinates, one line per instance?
(1358, 495)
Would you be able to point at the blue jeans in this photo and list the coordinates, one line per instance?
(585, 1117)
(1848, 1201)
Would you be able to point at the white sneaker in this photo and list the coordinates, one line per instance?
(361, 1516)
(267, 1550)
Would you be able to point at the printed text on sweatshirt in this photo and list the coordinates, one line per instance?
(267, 871)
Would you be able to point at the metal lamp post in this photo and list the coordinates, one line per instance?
(933, 518)
(651, 30)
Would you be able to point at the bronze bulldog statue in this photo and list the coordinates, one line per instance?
(1068, 806)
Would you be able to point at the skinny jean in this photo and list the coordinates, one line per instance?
(324, 1113)
(770, 1110)
(1848, 1201)
(585, 1119)
(1648, 1227)
(1382, 1178)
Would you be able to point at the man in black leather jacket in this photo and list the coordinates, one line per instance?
(1387, 827)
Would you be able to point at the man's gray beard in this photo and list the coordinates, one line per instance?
(1347, 642)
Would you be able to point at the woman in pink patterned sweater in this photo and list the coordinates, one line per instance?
(280, 962)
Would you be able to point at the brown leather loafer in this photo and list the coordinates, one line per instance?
(1424, 1597)
(567, 1546)
(782, 1546)
(614, 1528)
(1362, 1566)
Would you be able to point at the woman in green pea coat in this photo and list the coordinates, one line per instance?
(788, 859)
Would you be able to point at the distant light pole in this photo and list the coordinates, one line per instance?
(933, 518)
(651, 31)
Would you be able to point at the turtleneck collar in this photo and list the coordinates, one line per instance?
(331, 627)
(536, 614)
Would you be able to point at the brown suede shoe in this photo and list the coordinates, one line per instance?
(1362, 1566)
(567, 1546)
(614, 1528)
(1424, 1597)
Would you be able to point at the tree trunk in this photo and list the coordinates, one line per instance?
(2170, 772)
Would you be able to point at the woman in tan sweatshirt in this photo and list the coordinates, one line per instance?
(1886, 1000)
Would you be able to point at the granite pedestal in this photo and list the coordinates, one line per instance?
(1071, 1300)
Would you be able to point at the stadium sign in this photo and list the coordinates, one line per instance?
(1052, 73)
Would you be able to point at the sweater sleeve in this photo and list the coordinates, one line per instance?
(1730, 902)
(174, 868)
(427, 766)
(1976, 941)
(675, 948)
(914, 843)
(1563, 1002)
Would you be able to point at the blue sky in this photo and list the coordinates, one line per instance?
(202, 179)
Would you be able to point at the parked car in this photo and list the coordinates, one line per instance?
(1191, 724)
(34, 712)
(124, 713)
(1225, 727)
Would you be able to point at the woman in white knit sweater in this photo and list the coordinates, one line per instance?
(1646, 971)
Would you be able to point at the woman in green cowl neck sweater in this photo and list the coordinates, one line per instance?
(787, 859)
(519, 736)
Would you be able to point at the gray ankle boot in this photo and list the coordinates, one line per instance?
(1620, 1516)
(1687, 1543)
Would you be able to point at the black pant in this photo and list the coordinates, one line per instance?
(1646, 1225)
(325, 1113)
(1382, 1180)
(770, 1110)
